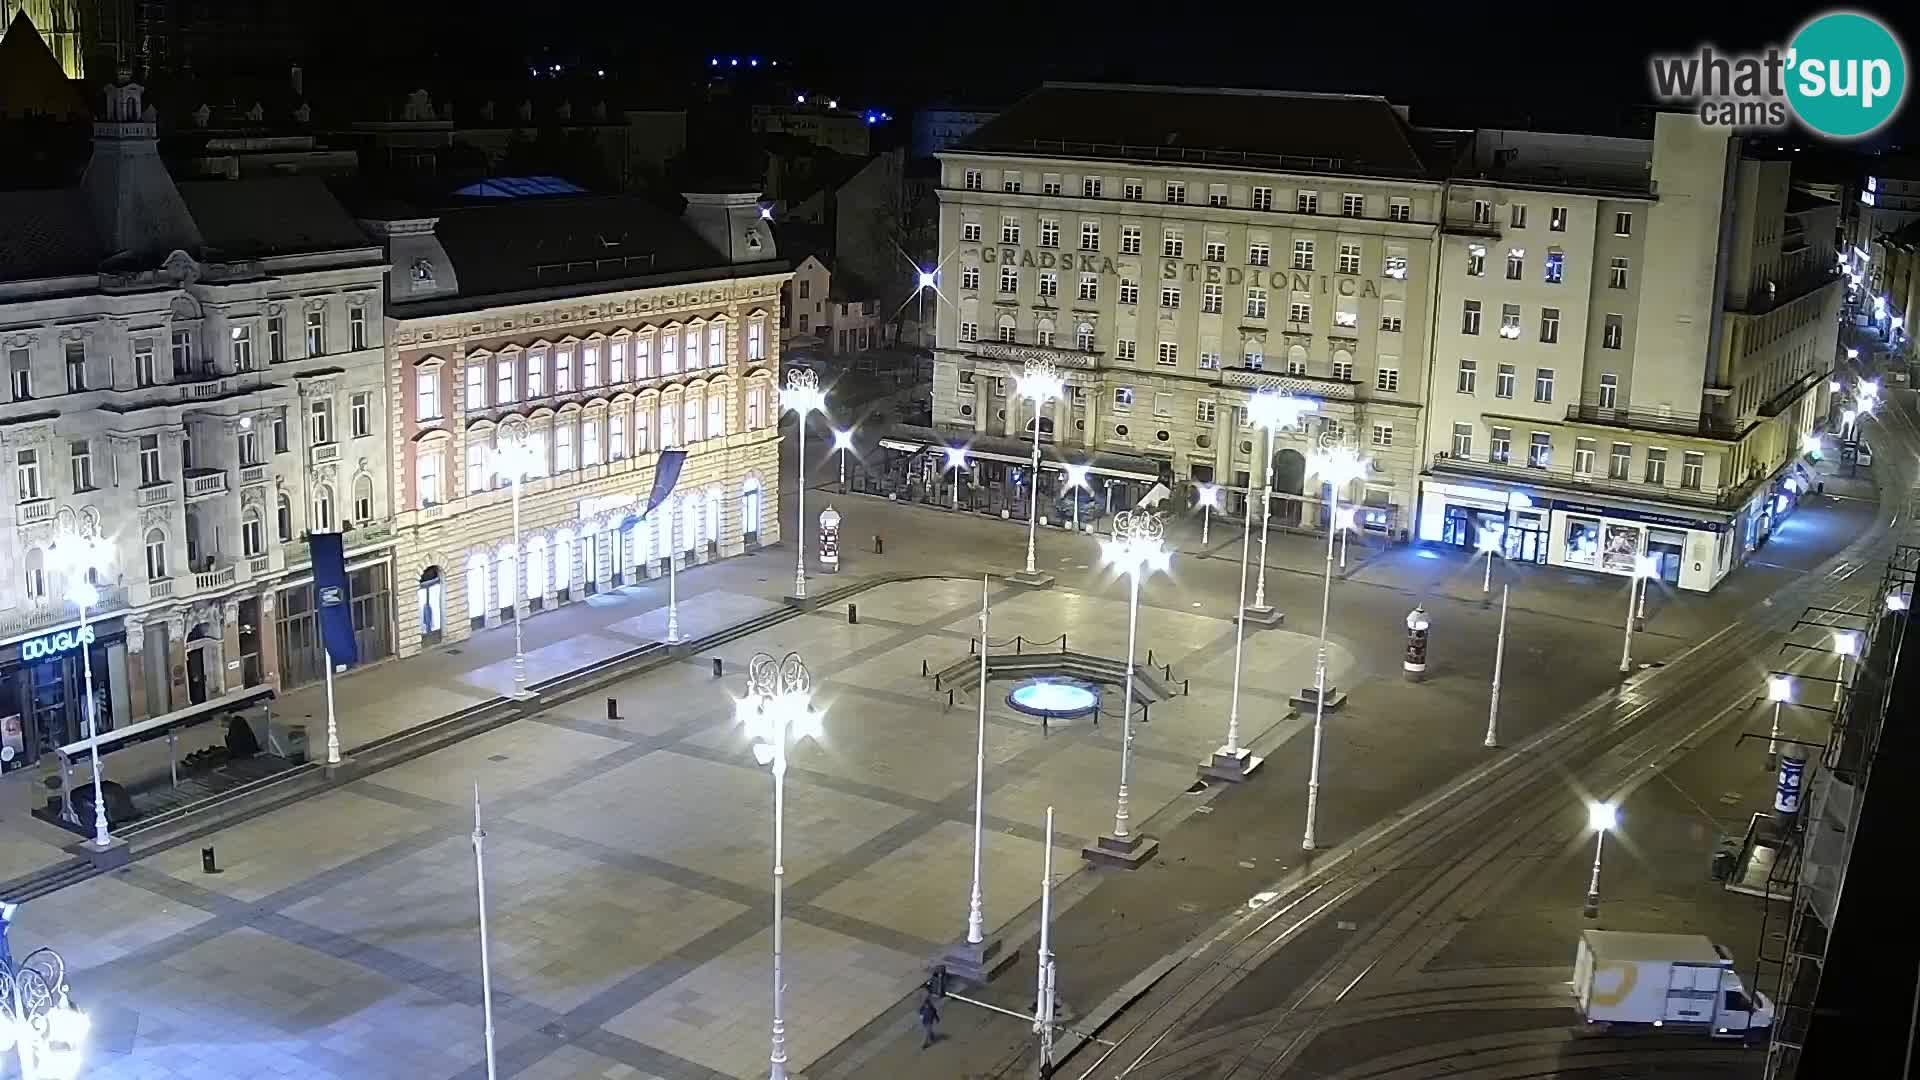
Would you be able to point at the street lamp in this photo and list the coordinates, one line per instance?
(956, 460)
(843, 442)
(1233, 761)
(1602, 817)
(514, 459)
(778, 706)
(1489, 545)
(1076, 479)
(1846, 643)
(1337, 466)
(1345, 520)
(1779, 691)
(1271, 410)
(37, 1017)
(1040, 383)
(1644, 567)
(803, 396)
(1492, 741)
(1208, 498)
(1137, 548)
(79, 557)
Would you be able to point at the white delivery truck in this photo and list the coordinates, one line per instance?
(1664, 979)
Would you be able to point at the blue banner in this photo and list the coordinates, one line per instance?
(665, 474)
(333, 597)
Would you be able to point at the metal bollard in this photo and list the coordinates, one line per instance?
(1185, 689)
(207, 864)
(853, 614)
(923, 669)
(613, 708)
(949, 699)
(718, 667)
(878, 547)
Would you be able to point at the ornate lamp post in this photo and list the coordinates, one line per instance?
(1137, 548)
(1337, 465)
(843, 442)
(37, 1017)
(956, 461)
(1207, 496)
(778, 707)
(804, 396)
(514, 459)
(79, 557)
(1040, 383)
(1076, 479)
(1644, 567)
(1271, 410)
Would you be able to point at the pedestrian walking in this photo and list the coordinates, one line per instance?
(929, 1019)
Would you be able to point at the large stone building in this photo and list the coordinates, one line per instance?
(195, 376)
(597, 330)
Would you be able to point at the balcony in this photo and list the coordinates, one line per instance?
(323, 453)
(1011, 353)
(1699, 425)
(217, 578)
(203, 390)
(260, 566)
(160, 589)
(1470, 226)
(254, 474)
(1297, 385)
(33, 513)
(200, 483)
(30, 617)
(1564, 478)
(155, 494)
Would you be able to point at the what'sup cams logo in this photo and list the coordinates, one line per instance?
(1844, 75)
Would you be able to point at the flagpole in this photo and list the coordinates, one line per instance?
(333, 726)
(673, 585)
(480, 886)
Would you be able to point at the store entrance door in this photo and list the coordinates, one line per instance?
(1526, 539)
(1669, 548)
(1464, 524)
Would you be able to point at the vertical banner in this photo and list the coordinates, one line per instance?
(1788, 788)
(333, 597)
(666, 473)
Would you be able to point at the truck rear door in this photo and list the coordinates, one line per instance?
(1692, 994)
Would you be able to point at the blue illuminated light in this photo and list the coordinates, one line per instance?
(1054, 698)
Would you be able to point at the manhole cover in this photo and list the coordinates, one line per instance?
(1345, 924)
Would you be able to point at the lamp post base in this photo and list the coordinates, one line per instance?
(1308, 697)
(521, 694)
(804, 603)
(1233, 767)
(1591, 909)
(1130, 854)
(976, 964)
(1264, 614)
(116, 854)
(1039, 579)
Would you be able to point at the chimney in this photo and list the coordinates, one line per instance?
(733, 224)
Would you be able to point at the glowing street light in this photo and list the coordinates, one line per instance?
(804, 396)
(1779, 691)
(1846, 644)
(1137, 548)
(927, 279)
(1898, 601)
(80, 557)
(1076, 479)
(1208, 498)
(37, 1017)
(1489, 546)
(956, 460)
(1644, 567)
(1040, 383)
(1853, 354)
(1271, 410)
(843, 442)
(1337, 467)
(514, 458)
(778, 708)
(1345, 521)
(1602, 818)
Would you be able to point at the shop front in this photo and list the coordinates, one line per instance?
(1691, 553)
(1461, 516)
(302, 656)
(43, 689)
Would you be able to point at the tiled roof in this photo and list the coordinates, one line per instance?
(279, 215)
(47, 234)
(1332, 133)
(518, 244)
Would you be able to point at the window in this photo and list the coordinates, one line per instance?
(1469, 376)
(77, 366)
(563, 359)
(1394, 265)
(974, 181)
(1124, 349)
(1169, 353)
(1009, 333)
(643, 423)
(1610, 334)
(1129, 239)
(1299, 311)
(1083, 338)
(1129, 291)
(180, 344)
(316, 333)
(1386, 379)
(1353, 206)
(426, 394)
(1503, 381)
(249, 446)
(1176, 192)
(20, 366)
(1482, 212)
(1049, 285)
(969, 331)
(283, 518)
(1296, 365)
(669, 425)
(1510, 321)
(253, 534)
(1089, 236)
(150, 469)
(563, 438)
(356, 327)
(1623, 224)
(1043, 336)
(1518, 215)
(1543, 385)
(427, 484)
(1349, 258)
(81, 452)
(1549, 325)
(1463, 441)
(1204, 413)
(320, 422)
(1212, 299)
(476, 384)
(156, 555)
(969, 278)
(360, 414)
(537, 367)
(1390, 324)
(643, 357)
(970, 232)
(1263, 198)
(1399, 210)
(1470, 317)
(1049, 232)
(321, 513)
(617, 430)
(1256, 303)
(1620, 462)
(1163, 405)
(590, 363)
(1259, 254)
(1090, 187)
(27, 475)
(1656, 465)
(1556, 266)
(1692, 465)
(1210, 361)
(1343, 370)
(1216, 251)
(1133, 191)
(1217, 195)
(1010, 182)
(1583, 457)
(144, 372)
(1173, 244)
(1476, 260)
(1009, 279)
(1009, 230)
(276, 339)
(1617, 272)
(1169, 296)
(1303, 254)
(363, 498)
(1500, 445)
(1050, 185)
(1306, 202)
(505, 381)
(1557, 219)
(1383, 434)
(616, 363)
(280, 431)
(1123, 399)
(1516, 264)
(757, 338)
(1540, 450)
(1609, 389)
(1089, 287)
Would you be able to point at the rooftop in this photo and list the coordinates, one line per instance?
(1265, 129)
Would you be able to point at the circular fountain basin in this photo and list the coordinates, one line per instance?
(1054, 698)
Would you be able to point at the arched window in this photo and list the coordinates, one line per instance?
(322, 520)
(37, 575)
(714, 496)
(716, 412)
(536, 566)
(750, 506)
(476, 586)
(283, 518)
(156, 555)
(663, 526)
(1296, 359)
(563, 544)
(504, 578)
(253, 533)
(363, 498)
(639, 544)
(691, 432)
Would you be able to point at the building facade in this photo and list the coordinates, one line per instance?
(596, 358)
(195, 377)
(1633, 339)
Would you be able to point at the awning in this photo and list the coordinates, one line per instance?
(902, 445)
(913, 438)
(161, 725)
